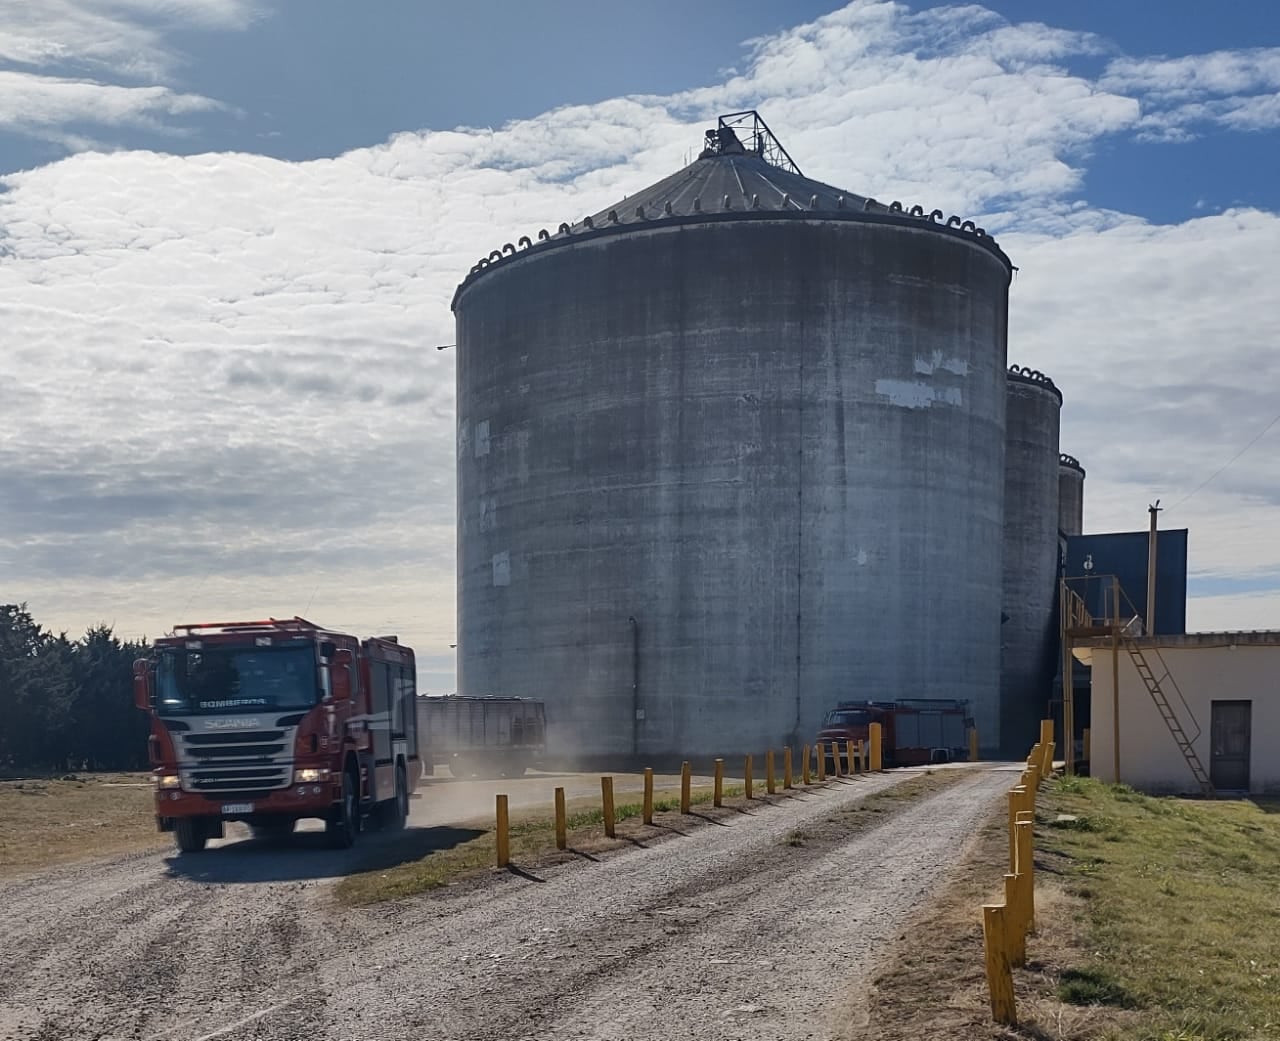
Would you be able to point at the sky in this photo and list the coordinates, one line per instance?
(230, 231)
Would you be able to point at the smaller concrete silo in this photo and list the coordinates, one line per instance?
(1030, 567)
(1070, 495)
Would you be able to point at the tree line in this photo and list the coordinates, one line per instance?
(67, 704)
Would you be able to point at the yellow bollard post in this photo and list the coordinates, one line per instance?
(822, 762)
(973, 744)
(562, 828)
(718, 793)
(746, 778)
(835, 758)
(769, 785)
(648, 794)
(1016, 940)
(787, 777)
(863, 756)
(1027, 873)
(848, 751)
(1016, 797)
(1086, 748)
(999, 973)
(685, 777)
(606, 798)
(1047, 743)
(504, 833)
(805, 779)
(877, 748)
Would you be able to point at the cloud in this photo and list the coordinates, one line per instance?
(40, 103)
(103, 63)
(1234, 89)
(118, 37)
(222, 370)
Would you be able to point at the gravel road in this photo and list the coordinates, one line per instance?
(764, 928)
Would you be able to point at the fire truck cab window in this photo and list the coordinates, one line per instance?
(231, 679)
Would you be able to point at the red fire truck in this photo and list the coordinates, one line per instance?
(914, 731)
(273, 721)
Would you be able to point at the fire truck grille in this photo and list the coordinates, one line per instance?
(243, 762)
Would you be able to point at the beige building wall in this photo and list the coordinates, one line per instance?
(1206, 667)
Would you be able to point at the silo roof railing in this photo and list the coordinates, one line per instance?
(1070, 462)
(1034, 377)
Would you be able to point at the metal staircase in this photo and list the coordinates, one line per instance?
(1123, 623)
(1170, 717)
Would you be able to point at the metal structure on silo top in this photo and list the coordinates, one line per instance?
(1028, 644)
(729, 451)
(1070, 495)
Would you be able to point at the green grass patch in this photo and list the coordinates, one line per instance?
(1181, 910)
(1093, 987)
(78, 817)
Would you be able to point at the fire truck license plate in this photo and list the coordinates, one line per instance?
(237, 807)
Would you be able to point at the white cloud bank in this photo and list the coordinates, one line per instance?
(221, 395)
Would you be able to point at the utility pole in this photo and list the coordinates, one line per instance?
(1115, 676)
(1151, 570)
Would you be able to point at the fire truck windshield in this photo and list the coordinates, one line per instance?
(848, 719)
(233, 679)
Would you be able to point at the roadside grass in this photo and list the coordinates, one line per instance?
(1180, 908)
(532, 835)
(48, 822)
(1156, 921)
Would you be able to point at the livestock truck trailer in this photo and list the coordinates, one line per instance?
(481, 736)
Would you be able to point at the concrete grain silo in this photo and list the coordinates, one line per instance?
(1070, 495)
(730, 450)
(1028, 636)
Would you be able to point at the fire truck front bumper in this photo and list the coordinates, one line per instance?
(298, 800)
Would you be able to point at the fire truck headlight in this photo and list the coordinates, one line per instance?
(310, 775)
(168, 781)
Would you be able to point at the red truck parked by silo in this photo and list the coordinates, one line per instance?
(913, 731)
(269, 722)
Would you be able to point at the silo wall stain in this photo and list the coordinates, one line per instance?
(777, 445)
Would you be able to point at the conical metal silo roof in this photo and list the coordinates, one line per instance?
(719, 183)
(742, 173)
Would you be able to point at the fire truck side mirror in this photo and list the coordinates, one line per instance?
(340, 674)
(142, 684)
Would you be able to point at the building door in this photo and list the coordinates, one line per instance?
(1230, 734)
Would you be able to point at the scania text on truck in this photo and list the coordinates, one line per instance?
(913, 731)
(270, 722)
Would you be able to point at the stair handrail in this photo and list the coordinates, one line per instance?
(1155, 650)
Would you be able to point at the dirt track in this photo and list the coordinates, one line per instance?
(764, 928)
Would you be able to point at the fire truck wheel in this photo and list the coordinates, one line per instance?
(190, 834)
(343, 827)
